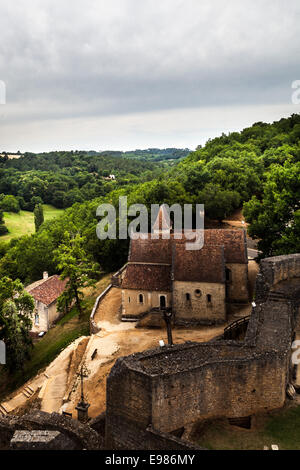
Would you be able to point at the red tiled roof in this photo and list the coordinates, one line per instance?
(150, 251)
(160, 251)
(147, 277)
(205, 265)
(234, 241)
(48, 290)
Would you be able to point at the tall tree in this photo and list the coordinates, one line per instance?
(275, 220)
(16, 308)
(77, 267)
(3, 228)
(38, 216)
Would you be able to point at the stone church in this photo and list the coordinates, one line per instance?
(196, 285)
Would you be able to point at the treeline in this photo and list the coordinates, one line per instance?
(64, 178)
(258, 168)
(154, 154)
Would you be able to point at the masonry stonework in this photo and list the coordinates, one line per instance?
(135, 302)
(237, 283)
(198, 303)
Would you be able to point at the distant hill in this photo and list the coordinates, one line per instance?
(153, 154)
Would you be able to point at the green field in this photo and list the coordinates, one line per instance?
(280, 427)
(23, 223)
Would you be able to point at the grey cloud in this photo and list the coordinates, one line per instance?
(78, 59)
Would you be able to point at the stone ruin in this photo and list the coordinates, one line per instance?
(152, 397)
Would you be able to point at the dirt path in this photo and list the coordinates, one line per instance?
(108, 309)
(117, 339)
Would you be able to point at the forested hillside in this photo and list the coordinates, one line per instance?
(64, 178)
(258, 168)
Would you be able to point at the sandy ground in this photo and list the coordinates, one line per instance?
(117, 339)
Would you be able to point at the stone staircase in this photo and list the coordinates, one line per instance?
(28, 392)
(3, 411)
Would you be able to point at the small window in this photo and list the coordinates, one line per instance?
(198, 293)
(188, 297)
(36, 319)
(129, 300)
(228, 275)
(209, 298)
(141, 298)
(163, 302)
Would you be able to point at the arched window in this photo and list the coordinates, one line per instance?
(36, 319)
(141, 299)
(187, 297)
(129, 300)
(208, 298)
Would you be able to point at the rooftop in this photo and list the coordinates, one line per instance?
(205, 265)
(153, 277)
(47, 290)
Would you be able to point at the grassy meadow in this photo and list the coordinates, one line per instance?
(23, 223)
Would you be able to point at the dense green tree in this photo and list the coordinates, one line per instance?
(16, 308)
(9, 203)
(3, 228)
(77, 267)
(38, 216)
(274, 220)
(218, 202)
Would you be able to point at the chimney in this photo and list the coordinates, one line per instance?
(45, 275)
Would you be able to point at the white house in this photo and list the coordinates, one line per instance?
(45, 293)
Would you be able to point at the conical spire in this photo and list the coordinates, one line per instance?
(163, 221)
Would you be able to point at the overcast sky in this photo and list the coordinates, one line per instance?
(126, 74)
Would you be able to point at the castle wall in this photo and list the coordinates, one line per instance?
(274, 270)
(131, 304)
(238, 286)
(222, 389)
(199, 308)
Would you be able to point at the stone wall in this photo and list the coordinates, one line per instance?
(199, 308)
(274, 270)
(173, 387)
(82, 436)
(132, 306)
(238, 286)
